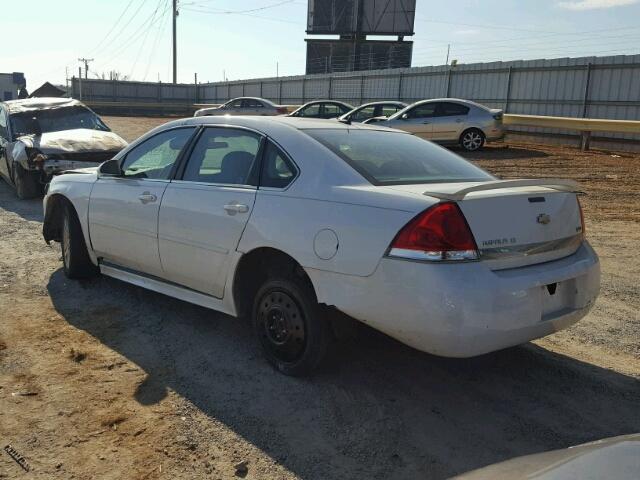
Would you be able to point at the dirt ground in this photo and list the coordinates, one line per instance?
(101, 379)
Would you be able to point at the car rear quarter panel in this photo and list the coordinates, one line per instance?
(328, 195)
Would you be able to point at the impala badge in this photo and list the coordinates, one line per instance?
(544, 219)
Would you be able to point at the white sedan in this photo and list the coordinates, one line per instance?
(288, 221)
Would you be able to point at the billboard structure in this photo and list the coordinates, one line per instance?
(353, 20)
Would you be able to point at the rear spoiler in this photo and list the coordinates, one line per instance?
(553, 183)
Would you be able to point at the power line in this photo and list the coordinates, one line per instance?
(114, 26)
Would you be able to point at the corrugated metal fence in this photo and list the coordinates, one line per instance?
(592, 87)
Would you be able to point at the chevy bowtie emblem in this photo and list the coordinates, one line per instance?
(543, 218)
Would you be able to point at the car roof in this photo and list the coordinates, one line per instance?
(251, 98)
(451, 100)
(383, 102)
(266, 123)
(335, 102)
(44, 103)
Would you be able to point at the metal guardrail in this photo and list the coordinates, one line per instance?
(583, 125)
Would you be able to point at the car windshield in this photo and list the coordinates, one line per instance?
(55, 120)
(394, 158)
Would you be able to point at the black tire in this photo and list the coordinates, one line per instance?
(75, 257)
(290, 325)
(27, 183)
(472, 140)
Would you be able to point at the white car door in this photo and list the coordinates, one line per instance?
(123, 210)
(418, 120)
(203, 214)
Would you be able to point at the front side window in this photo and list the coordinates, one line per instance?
(393, 158)
(426, 110)
(234, 104)
(277, 170)
(223, 155)
(55, 120)
(155, 157)
(310, 111)
(4, 132)
(364, 113)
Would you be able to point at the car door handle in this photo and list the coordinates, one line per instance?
(233, 208)
(147, 197)
(459, 120)
(425, 123)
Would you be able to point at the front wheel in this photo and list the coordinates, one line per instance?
(27, 183)
(472, 140)
(75, 257)
(290, 326)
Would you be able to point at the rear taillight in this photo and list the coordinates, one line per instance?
(281, 110)
(584, 232)
(440, 233)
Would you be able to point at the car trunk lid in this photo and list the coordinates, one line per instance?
(517, 222)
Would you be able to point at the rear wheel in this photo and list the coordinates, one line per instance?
(75, 256)
(27, 183)
(290, 326)
(472, 139)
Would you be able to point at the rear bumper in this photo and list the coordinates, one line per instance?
(464, 310)
(494, 134)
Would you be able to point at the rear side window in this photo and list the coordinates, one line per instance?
(251, 103)
(393, 158)
(223, 155)
(452, 109)
(277, 170)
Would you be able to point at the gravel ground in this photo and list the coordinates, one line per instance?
(101, 379)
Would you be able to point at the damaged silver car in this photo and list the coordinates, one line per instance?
(41, 137)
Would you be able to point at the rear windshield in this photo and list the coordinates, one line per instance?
(393, 158)
(55, 120)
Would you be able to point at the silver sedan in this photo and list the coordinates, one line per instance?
(243, 106)
(450, 121)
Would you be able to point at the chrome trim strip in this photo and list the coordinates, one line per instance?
(520, 251)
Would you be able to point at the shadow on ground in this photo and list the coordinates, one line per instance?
(501, 152)
(27, 209)
(377, 410)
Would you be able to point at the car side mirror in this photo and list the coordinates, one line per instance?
(405, 116)
(111, 168)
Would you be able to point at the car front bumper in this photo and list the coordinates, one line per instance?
(466, 309)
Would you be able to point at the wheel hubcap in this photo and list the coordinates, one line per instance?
(281, 326)
(472, 141)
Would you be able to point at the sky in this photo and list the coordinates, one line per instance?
(238, 39)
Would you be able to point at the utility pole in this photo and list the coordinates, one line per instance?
(277, 69)
(86, 65)
(80, 82)
(448, 50)
(175, 44)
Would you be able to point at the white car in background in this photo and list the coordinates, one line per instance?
(285, 220)
(243, 106)
(449, 121)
